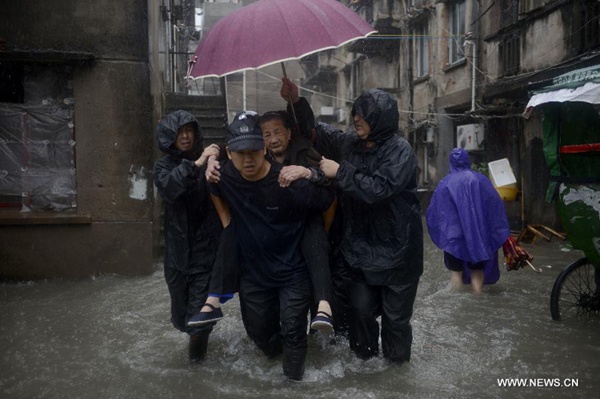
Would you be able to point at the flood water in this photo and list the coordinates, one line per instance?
(110, 337)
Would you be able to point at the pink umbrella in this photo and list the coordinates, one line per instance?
(271, 31)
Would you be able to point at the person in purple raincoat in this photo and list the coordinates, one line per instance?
(467, 220)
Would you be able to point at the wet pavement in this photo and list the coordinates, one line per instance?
(110, 337)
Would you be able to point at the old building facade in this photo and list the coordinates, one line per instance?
(83, 86)
(463, 71)
(76, 141)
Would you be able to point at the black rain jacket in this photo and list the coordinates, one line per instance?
(192, 226)
(382, 232)
(301, 151)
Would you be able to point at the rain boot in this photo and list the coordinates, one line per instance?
(293, 363)
(198, 347)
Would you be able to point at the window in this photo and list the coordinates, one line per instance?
(421, 48)
(457, 31)
(586, 35)
(510, 12)
(37, 156)
(509, 52)
(357, 76)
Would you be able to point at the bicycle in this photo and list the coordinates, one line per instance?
(576, 291)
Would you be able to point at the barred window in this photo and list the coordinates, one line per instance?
(586, 34)
(509, 52)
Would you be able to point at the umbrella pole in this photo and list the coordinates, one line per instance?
(290, 99)
(523, 222)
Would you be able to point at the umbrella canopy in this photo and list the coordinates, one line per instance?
(271, 31)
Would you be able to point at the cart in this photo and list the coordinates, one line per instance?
(571, 134)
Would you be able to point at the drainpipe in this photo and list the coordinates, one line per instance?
(470, 41)
(425, 165)
(411, 94)
(473, 73)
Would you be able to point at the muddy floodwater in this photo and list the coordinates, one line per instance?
(110, 337)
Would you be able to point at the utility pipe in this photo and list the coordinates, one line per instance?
(473, 73)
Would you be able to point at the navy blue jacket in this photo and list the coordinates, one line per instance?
(268, 223)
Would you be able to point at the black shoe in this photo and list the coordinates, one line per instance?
(322, 322)
(202, 318)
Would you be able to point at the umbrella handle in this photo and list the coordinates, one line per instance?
(189, 70)
(290, 100)
(533, 267)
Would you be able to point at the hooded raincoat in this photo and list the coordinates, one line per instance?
(382, 233)
(192, 227)
(466, 217)
(382, 227)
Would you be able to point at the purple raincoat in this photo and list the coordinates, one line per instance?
(466, 217)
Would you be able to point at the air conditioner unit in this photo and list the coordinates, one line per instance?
(470, 137)
(327, 111)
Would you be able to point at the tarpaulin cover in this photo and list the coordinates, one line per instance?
(566, 124)
(578, 198)
(571, 118)
(588, 93)
(37, 165)
(37, 154)
(466, 216)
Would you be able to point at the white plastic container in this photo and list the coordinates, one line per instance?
(501, 173)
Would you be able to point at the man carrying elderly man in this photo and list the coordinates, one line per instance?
(268, 221)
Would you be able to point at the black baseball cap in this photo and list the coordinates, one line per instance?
(244, 133)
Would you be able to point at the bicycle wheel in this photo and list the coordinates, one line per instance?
(576, 292)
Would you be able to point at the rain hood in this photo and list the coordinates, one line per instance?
(166, 134)
(380, 110)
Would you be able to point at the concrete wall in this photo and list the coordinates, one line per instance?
(114, 141)
(542, 32)
(445, 90)
(544, 43)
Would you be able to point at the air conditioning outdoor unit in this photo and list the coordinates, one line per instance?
(327, 111)
(470, 137)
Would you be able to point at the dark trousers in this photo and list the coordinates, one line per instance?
(276, 320)
(225, 276)
(458, 265)
(341, 285)
(315, 249)
(188, 293)
(394, 303)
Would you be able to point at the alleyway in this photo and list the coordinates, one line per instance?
(110, 337)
